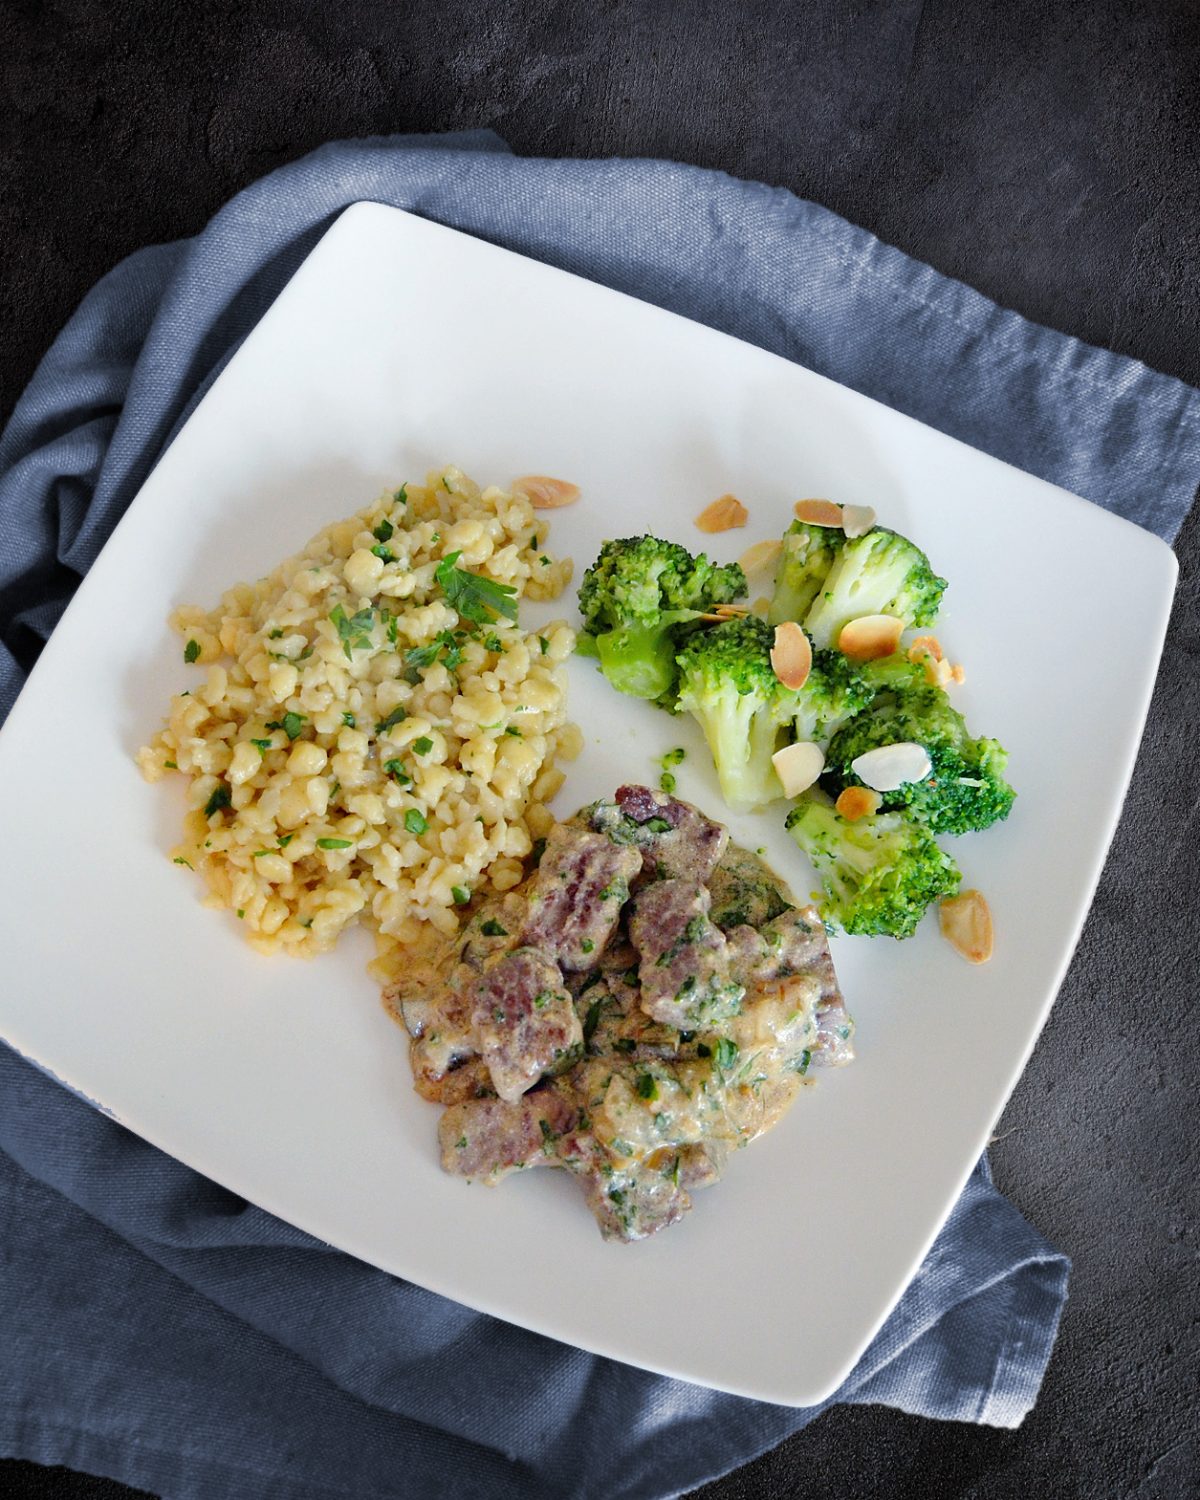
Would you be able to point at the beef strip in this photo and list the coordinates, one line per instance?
(486, 1139)
(575, 900)
(791, 943)
(524, 1021)
(833, 1045)
(683, 958)
(676, 840)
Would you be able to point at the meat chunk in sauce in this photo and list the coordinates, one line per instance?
(524, 1021)
(676, 840)
(647, 1001)
(683, 958)
(486, 1139)
(575, 902)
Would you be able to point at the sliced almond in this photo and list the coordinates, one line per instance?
(544, 493)
(925, 645)
(818, 513)
(870, 637)
(760, 556)
(890, 767)
(798, 766)
(731, 611)
(857, 520)
(723, 515)
(857, 802)
(966, 924)
(791, 655)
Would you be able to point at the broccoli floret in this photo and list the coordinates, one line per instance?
(727, 684)
(836, 690)
(881, 573)
(878, 874)
(808, 554)
(638, 599)
(966, 788)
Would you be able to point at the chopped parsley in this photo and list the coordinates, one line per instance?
(397, 716)
(674, 757)
(541, 1001)
(667, 782)
(333, 843)
(291, 724)
(423, 745)
(401, 495)
(586, 946)
(241, 911)
(544, 644)
(461, 894)
(473, 596)
(384, 531)
(258, 853)
(415, 821)
(179, 860)
(220, 798)
(657, 825)
(191, 651)
(493, 642)
(353, 629)
(539, 848)
(647, 1086)
(549, 1134)
(492, 928)
(170, 765)
(262, 746)
(460, 1144)
(349, 721)
(286, 840)
(727, 1054)
(513, 730)
(805, 1059)
(384, 554)
(396, 768)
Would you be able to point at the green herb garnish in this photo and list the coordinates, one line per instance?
(349, 721)
(333, 843)
(384, 531)
(179, 860)
(220, 798)
(473, 596)
(415, 821)
(423, 745)
(647, 1087)
(461, 894)
(727, 1054)
(191, 651)
(492, 928)
(291, 724)
(397, 716)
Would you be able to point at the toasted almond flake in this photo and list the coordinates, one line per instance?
(544, 493)
(857, 520)
(857, 802)
(760, 556)
(957, 673)
(925, 645)
(818, 513)
(966, 924)
(889, 767)
(731, 611)
(937, 673)
(723, 515)
(798, 766)
(870, 637)
(791, 655)
(761, 607)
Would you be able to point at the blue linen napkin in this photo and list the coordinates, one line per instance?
(163, 1331)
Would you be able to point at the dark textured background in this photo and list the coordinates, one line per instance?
(1049, 154)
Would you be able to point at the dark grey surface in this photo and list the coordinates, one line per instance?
(1045, 154)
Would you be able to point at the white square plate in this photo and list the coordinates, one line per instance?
(399, 345)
